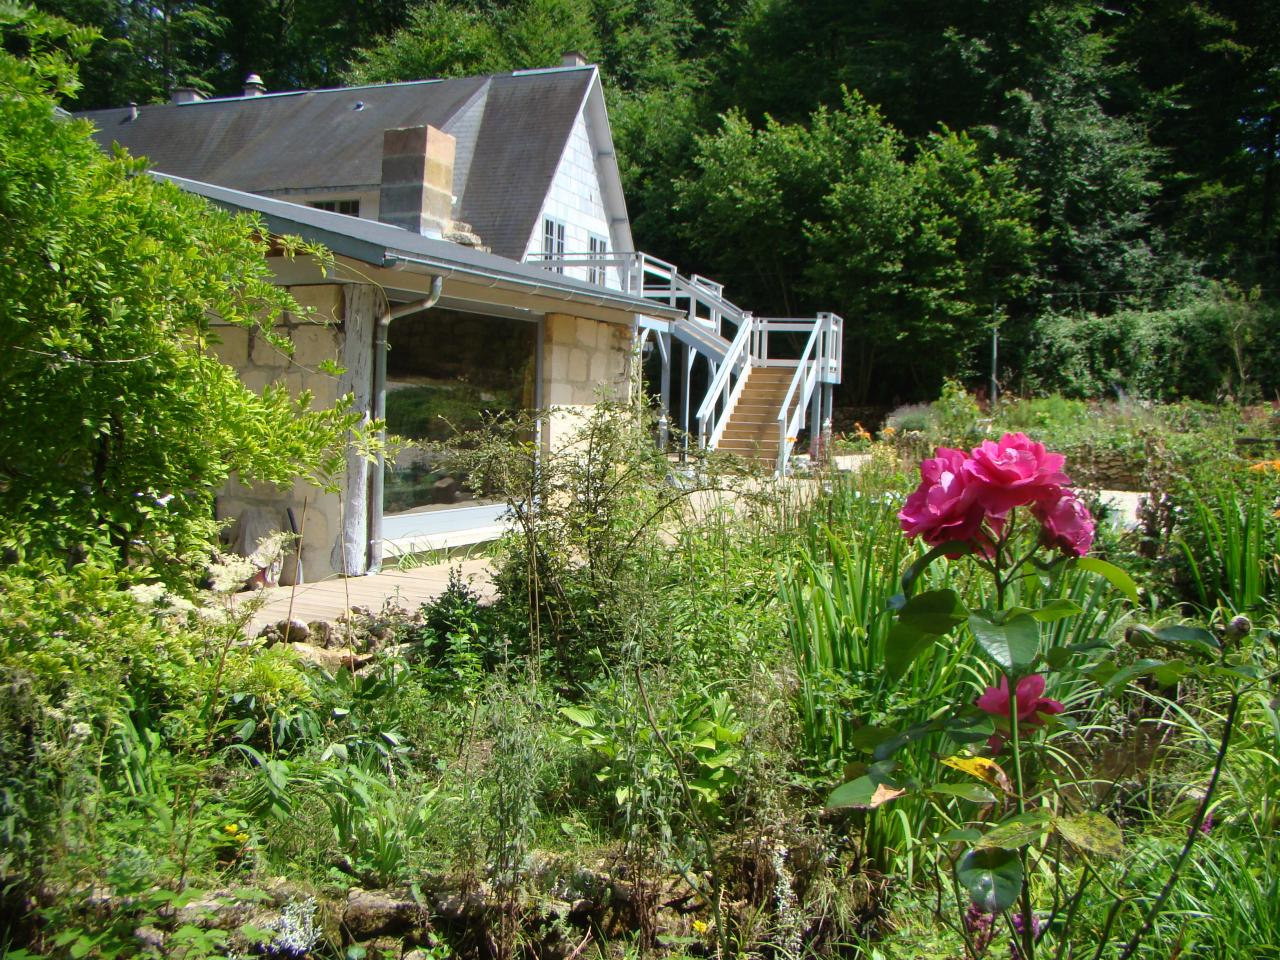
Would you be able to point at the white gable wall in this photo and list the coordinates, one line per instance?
(575, 200)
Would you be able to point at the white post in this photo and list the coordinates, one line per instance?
(664, 391)
(828, 391)
(815, 422)
(689, 356)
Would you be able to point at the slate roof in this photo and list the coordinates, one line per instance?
(332, 139)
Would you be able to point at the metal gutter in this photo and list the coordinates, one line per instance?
(380, 347)
(551, 290)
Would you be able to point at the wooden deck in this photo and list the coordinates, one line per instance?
(330, 599)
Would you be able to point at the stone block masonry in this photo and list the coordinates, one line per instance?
(317, 335)
(583, 362)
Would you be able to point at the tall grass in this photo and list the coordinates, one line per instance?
(1236, 563)
(835, 597)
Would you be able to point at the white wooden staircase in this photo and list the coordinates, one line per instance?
(751, 428)
(767, 378)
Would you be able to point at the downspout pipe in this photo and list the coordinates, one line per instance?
(380, 344)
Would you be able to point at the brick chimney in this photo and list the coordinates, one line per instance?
(417, 179)
(186, 95)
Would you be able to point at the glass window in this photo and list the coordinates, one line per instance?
(349, 208)
(599, 246)
(552, 240)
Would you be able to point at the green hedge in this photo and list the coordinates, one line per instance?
(1223, 345)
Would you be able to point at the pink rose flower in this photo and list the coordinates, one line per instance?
(1015, 472)
(1028, 699)
(1065, 524)
(943, 507)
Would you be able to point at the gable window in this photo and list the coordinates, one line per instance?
(349, 208)
(552, 240)
(599, 246)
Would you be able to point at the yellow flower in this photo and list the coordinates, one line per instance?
(700, 927)
(231, 828)
(888, 432)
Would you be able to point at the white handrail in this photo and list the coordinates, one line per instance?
(706, 309)
(789, 426)
(736, 359)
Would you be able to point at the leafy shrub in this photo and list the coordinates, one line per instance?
(117, 425)
(918, 417)
(1223, 345)
(956, 415)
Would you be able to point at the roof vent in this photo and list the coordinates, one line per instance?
(359, 105)
(186, 95)
(133, 113)
(572, 58)
(253, 86)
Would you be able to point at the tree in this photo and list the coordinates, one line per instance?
(439, 40)
(447, 40)
(1211, 67)
(147, 49)
(117, 426)
(914, 251)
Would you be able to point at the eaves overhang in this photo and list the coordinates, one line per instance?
(383, 246)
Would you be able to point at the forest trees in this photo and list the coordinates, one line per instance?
(921, 248)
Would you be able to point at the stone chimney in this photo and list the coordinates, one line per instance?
(572, 58)
(253, 86)
(185, 95)
(417, 179)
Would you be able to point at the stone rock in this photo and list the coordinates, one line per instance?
(379, 913)
(445, 490)
(294, 631)
(150, 939)
(331, 660)
(220, 910)
(323, 634)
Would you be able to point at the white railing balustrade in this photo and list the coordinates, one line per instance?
(702, 329)
(726, 386)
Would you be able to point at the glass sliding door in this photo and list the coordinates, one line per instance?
(446, 372)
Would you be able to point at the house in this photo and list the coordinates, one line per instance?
(483, 261)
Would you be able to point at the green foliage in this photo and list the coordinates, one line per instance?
(1220, 345)
(1231, 541)
(956, 414)
(442, 40)
(107, 292)
(695, 738)
(917, 250)
(437, 41)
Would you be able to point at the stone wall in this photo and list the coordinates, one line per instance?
(257, 509)
(583, 361)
